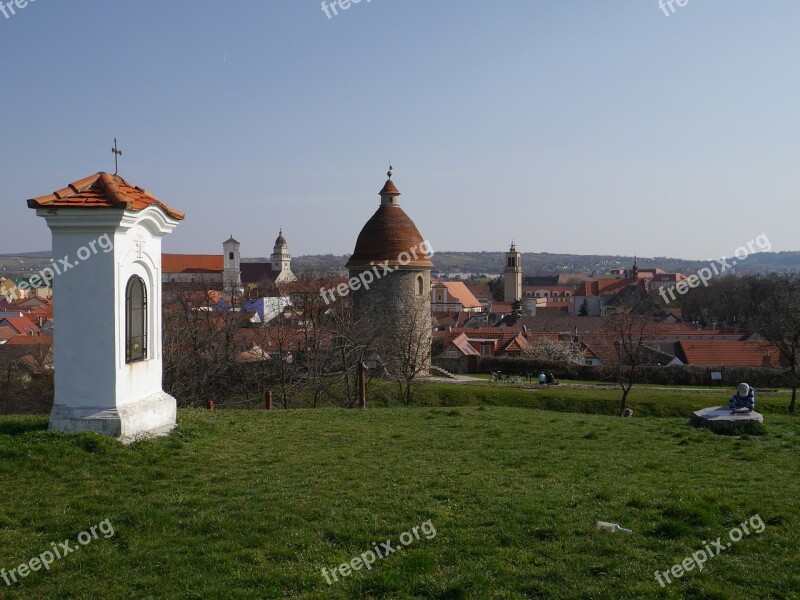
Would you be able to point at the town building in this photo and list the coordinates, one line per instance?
(453, 296)
(226, 271)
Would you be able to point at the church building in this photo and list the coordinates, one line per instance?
(226, 270)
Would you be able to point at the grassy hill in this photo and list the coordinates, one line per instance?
(250, 504)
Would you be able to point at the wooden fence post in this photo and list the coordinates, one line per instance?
(362, 382)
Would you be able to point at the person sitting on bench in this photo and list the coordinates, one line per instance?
(744, 398)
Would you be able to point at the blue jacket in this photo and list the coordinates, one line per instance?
(748, 401)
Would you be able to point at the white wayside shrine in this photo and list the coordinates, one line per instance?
(107, 307)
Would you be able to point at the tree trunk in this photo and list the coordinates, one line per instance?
(623, 403)
(794, 399)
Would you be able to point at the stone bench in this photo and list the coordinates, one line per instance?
(720, 418)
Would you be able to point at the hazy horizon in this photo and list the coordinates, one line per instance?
(266, 256)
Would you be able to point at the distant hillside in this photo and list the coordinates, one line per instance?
(545, 263)
(541, 263)
(17, 265)
(36, 255)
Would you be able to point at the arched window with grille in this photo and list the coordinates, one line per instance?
(421, 286)
(135, 320)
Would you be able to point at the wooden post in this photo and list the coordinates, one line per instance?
(268, 400)
(362, 384)
(211, 405)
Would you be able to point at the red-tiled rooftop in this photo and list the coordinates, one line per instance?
(192, 263)
(44, 311)
(103, 191)
(501, 307)
(6, 306)
(257, 272)
(462, 343)
(459, 292)
(603, 287)
(516, 344)
(713, 353)
(390, 188)
(389, 235)
(480, 291)
(22, 325)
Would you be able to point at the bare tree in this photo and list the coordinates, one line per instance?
(312, 319)
(353, 341)
(776, 317)
(627, 330)
(726, 300)
(278, 343)
(202, 342)
(26, 378)
(405, 346)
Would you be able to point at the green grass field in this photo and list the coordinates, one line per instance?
(651, 401)
(250, 504)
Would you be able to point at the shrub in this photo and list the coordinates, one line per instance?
(758, 377)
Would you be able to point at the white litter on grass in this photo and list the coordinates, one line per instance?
(611, 527)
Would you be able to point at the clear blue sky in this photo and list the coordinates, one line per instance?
(569, 126)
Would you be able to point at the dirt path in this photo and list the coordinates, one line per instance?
(466, 380)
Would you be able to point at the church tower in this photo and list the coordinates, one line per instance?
(281, 260)
(635, 270)
(231, 274)
(513, 275)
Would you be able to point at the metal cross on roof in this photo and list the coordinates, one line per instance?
(117, 153)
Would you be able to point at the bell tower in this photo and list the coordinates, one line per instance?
(281, 260)
(231, 274)
(513, 275)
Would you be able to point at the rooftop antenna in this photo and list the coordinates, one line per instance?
(117, 153)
